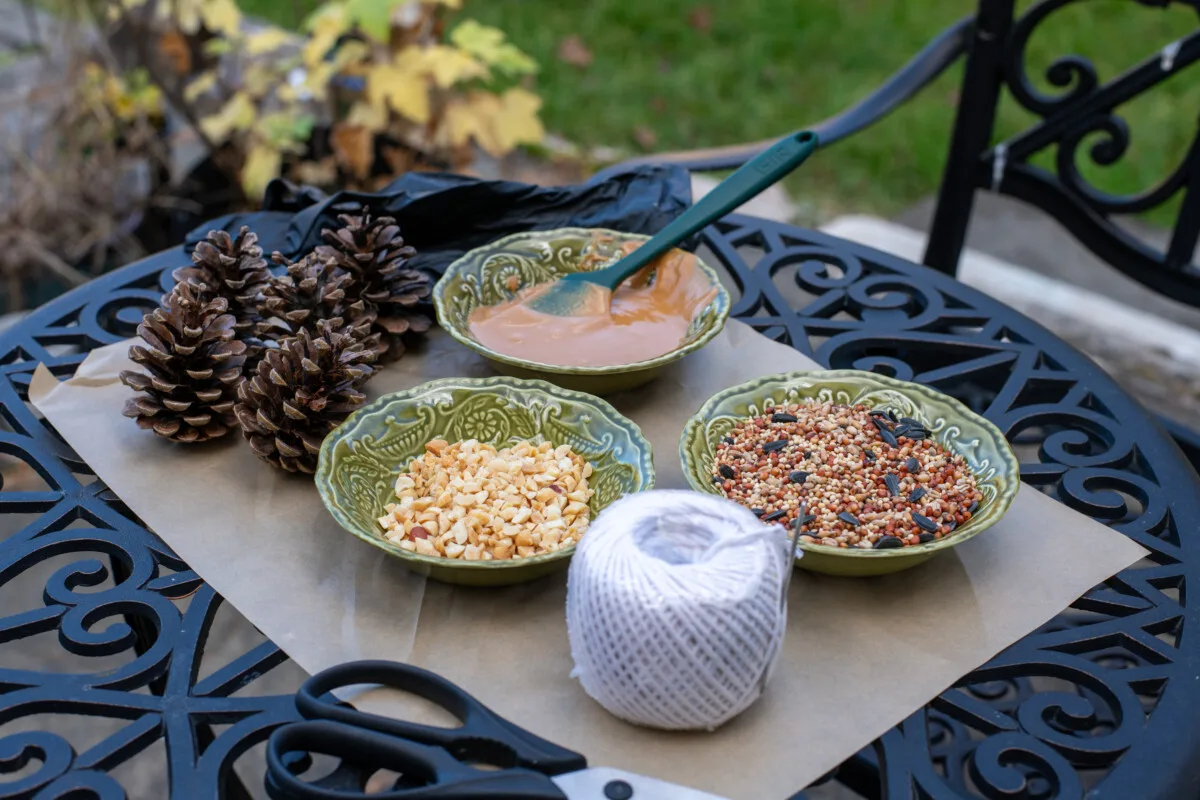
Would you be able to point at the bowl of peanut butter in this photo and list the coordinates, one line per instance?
(671, 308)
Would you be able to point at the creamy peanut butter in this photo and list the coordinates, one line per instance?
(648, 317)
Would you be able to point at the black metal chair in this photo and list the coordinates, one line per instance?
(993, 42)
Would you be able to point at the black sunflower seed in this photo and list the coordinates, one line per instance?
(888, 437)
(892, 415)
(924, 522)
(799, 476)
(910, 421)
(902, 430)
(886, 542)
(717, 479)
(870, 454)
(971, 508)
(726, 471)
(729, 440)
(771, 447)
(917, 433)
(808, 453)
(879, 422)
(952, 524)
(925, 538)
(912, 464)
(783, 418)
(758, 512)
(798, 522)
(893, 484)
(916, 494)
(774, 515)
(849, 518)
(807, 518)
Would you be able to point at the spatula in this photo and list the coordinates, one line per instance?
(584, 292)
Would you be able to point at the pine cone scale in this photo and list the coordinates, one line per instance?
(286, 449)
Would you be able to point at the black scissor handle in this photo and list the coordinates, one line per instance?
(430, 771)
(484, 736)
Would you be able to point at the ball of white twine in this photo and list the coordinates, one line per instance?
(674, 608)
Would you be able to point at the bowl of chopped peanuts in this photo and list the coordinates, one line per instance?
(878, 474)
(480, 481)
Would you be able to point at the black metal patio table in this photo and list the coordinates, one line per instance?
(1100, 702)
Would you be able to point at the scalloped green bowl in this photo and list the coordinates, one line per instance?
(950, 423)
(484, 276)
(361, 458)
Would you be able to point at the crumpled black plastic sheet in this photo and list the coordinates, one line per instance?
(444, 215)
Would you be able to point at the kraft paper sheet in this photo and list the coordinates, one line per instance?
(860, 655)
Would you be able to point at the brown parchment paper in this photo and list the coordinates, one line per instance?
(859, 656)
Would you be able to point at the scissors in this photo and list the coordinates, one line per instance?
(434, 761)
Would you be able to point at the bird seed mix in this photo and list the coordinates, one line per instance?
(850, 476)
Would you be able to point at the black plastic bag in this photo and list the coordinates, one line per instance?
(444, 215)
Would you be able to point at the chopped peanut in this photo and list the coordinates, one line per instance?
(469, 501)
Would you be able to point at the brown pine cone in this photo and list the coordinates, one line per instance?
(233, 268)
(309, 292)
(372, 251)
(192, 366)
(300, 392)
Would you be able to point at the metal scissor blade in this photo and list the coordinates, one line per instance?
(590, 784)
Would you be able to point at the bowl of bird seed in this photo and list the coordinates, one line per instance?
(877, 474)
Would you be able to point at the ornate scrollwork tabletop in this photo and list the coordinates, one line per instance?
(1101, 701)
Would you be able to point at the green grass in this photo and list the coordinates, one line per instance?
(768, 66)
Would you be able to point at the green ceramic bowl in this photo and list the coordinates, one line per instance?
(952, 424)
(360, 459)
(484, 277)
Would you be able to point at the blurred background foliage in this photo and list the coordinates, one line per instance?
(351, 93)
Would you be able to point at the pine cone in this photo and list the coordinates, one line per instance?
(372, 251)
(300, 392)
(310, 292)
(194, 365)
(235, 270)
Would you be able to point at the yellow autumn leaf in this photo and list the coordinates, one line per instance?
(217, 47)
(236, 115)
(324, 28)
(265, 41)
(489, 46)
(259, 79)
(222, 17)
(401, 86)
(516, 122)
(477, 39)
(200, 86)
(467, 118)
(365, 115)
(188, 14)
(262, 165)
(449, 65)
(350, 53)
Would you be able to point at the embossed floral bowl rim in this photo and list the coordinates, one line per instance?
(360, 459)
(458, 292)
(950, 423)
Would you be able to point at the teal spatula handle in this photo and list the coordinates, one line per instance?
(751, 178)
